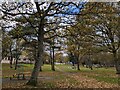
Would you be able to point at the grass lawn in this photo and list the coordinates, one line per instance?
(100, 74)
(64, 76)
(7, 71)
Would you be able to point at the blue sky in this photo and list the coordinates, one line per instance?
(72, 9)
(75, 10)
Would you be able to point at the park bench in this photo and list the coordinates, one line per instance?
(19, 76)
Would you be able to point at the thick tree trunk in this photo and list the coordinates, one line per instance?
(35, 73)
(117, 63)
(40, 68)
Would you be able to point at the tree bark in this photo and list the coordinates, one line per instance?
(90, 64)
(78, 64)
(38, 61)
(40, 68)
(51, 57)
(16, 63)
(53, 60)
(117, 66)
(11, 57)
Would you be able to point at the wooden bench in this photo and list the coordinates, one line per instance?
(19, 76)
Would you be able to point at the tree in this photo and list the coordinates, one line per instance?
(59, 57)
(7, 46)
(106, 25)
(80, 40)
(16, 35)
(0, 44)
(31, 15)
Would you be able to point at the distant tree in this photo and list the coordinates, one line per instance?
(106, 25)
(80, 40)
(59, 57)
(7, 46)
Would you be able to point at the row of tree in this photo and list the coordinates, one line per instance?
(95, 32)
(82, 28)
(34, 22)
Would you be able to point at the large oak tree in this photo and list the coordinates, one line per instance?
(35, 15)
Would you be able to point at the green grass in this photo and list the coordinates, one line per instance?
(100, 74)
(46, 68)
(66, 68)
(7, 71)
(28, 65)
(105, 79)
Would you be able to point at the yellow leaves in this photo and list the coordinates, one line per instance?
(71, 48)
